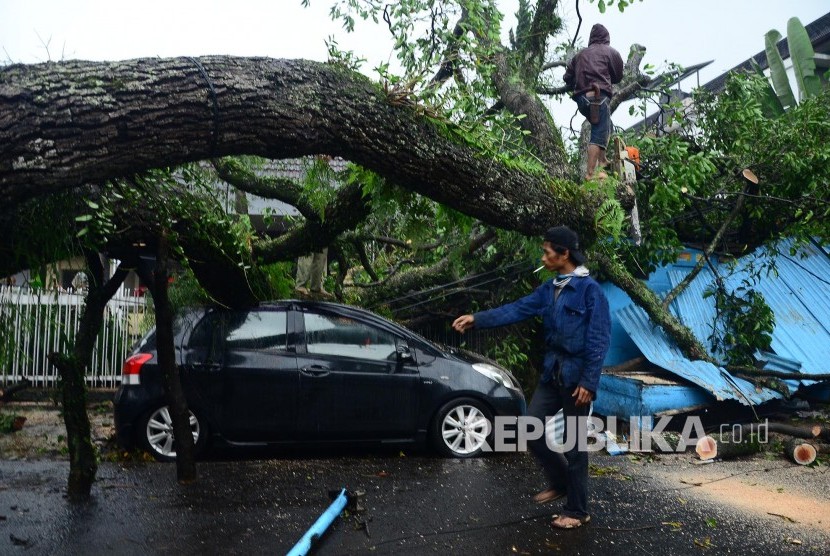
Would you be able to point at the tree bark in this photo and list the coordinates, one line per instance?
(72, 368)
(726, 447)
(68, 123)
(165, 344)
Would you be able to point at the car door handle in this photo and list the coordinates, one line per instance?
(210, 366)
(315, 370)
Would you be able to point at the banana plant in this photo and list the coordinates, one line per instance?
(804, 59)
(780, 81)
(780, 95)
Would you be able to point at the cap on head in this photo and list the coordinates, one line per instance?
(562, 236)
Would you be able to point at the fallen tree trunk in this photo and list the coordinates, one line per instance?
(8, 392)
(727, 446)
(818, 432)
(799, 451)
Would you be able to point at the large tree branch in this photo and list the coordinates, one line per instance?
(348, 210)
(545, 23)
(269, 187)
(649, 301)
(68, 123)
(514, 75)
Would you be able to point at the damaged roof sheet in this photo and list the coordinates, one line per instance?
(800, 297)
(799, 294)
(660, 350)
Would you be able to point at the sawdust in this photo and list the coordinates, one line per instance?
(761, 493)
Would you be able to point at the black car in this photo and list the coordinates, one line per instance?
(302, 371)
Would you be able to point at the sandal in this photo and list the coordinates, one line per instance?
(560, 523)
(548, 495)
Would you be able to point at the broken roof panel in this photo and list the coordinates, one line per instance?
(799, 294)
(800, 297)
(658, 348)
(693, 309)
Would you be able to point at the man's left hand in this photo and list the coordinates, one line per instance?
(583, 396)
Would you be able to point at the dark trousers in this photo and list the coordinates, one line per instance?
(569, 471)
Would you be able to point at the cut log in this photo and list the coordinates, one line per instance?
(799, 451)
(819, 432)
(706, 448)
(8, 392)
(726, 446)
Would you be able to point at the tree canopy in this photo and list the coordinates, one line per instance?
(457, 149)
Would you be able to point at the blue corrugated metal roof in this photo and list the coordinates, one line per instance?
(800, 297)
(692, 309)
(799, 294)
(660, 350)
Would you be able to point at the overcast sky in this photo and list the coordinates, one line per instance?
(686, 32)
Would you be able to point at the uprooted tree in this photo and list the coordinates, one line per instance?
(465, 126)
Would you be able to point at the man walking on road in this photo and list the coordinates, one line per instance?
(577, 326)
(590, 75)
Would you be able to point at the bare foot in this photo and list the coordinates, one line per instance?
(567, 522)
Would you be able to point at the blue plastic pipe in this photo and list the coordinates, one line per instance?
(320, 526)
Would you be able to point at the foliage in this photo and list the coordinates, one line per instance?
(744, 322)
(425, 37)
(778, 96)
(692, 183)
(602, 5)
(185, 291)
(7, 422)
(511, 352)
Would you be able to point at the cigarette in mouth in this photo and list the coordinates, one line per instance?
(538, 269)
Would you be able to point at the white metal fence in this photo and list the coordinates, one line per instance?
(35, 323)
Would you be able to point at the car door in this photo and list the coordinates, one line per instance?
(353, 383)
(257, 401)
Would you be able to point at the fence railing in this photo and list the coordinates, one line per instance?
(35, 323)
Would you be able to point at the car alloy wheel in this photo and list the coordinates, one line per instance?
(462, 428)
(158, 434)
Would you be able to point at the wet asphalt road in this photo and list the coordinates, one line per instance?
(416, 504)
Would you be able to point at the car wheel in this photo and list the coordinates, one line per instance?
(157, 434)
(461, 428)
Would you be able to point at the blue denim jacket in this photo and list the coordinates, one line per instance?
(577, 328)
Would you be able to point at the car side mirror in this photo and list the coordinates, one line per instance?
(402, 349)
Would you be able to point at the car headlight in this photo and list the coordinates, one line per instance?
(498, 374)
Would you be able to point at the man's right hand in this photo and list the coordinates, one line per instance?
(463, 323)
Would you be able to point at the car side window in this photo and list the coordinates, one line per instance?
(257, 329)
(336, 335)
(207, 331)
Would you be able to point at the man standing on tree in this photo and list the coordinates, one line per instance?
(577, 326)
(590, 75)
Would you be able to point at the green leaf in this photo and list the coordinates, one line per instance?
(803, 57)
(778, 73)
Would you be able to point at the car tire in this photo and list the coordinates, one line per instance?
(462, 428)
(156, 434)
